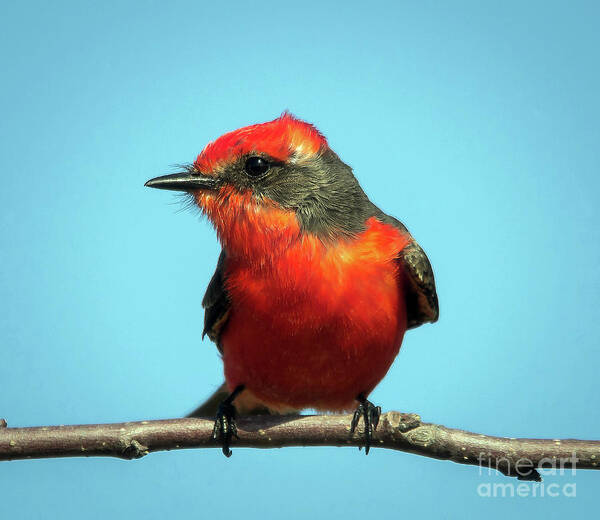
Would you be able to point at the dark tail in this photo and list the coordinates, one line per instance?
(210, 406)
(246, 405)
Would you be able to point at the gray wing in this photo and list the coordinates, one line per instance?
(216, 310)
(421, 297)
(216, 303)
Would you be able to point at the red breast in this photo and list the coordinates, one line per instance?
(318, 323)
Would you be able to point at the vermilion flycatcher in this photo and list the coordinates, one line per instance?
(315, 285)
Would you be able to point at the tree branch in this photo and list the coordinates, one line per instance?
(397, 431)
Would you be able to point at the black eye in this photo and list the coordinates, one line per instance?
(256, 166)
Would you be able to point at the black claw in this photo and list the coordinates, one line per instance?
(370, 414)
(225, 427)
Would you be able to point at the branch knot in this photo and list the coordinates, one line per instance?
(402, 422)
(134, 450)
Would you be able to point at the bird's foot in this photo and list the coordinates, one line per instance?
(370, 414)
(225, 427)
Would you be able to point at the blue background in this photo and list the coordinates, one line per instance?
(475, 123)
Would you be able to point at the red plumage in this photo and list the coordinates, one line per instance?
(312, 323)
(278, 139)
(318, 324)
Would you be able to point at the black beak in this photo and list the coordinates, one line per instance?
(184, 181)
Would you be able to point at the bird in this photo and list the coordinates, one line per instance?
(314, 287)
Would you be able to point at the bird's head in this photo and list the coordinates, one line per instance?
(270, 183)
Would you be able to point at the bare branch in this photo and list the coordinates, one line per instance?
(397, 431)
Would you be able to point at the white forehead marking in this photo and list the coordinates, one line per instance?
(299, 154)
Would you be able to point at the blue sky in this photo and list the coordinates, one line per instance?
(474, 123)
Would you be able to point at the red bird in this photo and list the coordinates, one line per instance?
(315, 285)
